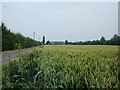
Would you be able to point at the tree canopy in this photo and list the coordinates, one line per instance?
(115, 40)
(48, 43)
(10, 40)
(43, 40)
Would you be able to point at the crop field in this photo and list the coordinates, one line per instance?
(65, 66)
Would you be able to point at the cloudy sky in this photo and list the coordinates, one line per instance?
(78, 21)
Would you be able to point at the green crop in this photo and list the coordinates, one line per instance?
(65, 66)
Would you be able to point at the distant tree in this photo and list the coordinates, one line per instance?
(66, 42)
(43, 40)
(115, 40)
(115, 37)
(102, 39)
(48, 42)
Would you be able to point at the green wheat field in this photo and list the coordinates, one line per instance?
(64, 66)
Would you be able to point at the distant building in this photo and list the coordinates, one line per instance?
(57, 43)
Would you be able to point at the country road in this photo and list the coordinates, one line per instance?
(8, 55)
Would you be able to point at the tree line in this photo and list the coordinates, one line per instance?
(12, 41)
(115, 40)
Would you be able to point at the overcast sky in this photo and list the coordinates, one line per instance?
(62, 21)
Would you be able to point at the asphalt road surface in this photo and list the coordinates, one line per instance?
(6, 56)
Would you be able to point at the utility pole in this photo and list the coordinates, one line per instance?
(34, 35)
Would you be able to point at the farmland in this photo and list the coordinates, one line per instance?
(64, 66)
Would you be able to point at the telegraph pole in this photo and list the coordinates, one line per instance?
(34, 35)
